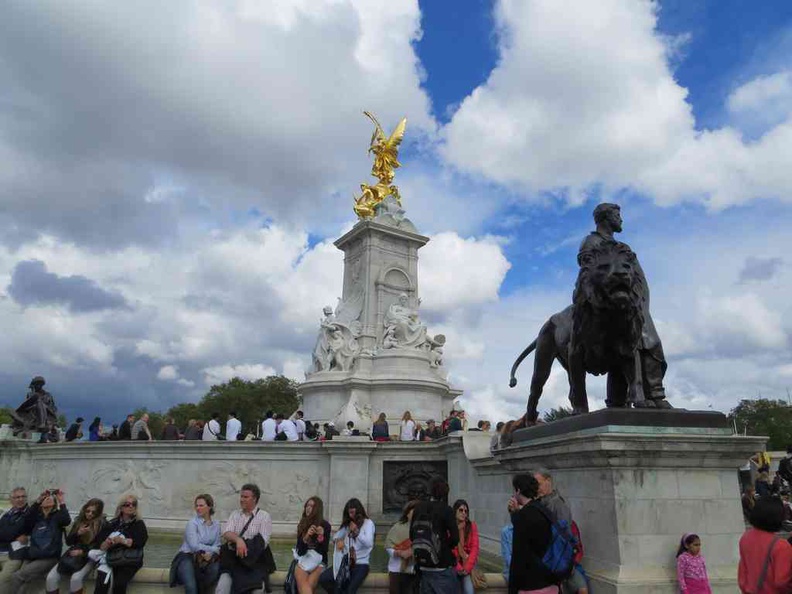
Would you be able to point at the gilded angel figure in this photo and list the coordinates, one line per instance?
(386, 151)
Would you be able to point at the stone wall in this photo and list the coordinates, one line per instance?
(633, 495)
(166, 476)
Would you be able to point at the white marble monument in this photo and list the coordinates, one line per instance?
(373, 353)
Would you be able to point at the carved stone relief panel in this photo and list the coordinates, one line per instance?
(144, 479)
(406, 480)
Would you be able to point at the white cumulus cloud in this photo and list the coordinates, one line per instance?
(567, 110)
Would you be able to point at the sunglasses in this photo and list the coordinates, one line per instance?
(129, 504)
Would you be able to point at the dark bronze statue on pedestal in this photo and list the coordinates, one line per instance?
(607, 330)
(38, 412)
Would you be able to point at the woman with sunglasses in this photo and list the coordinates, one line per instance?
(81, 538)
(125, 530)
(467, 551)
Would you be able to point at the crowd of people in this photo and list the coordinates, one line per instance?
(779, 488)
(432, 549)
(274, 427)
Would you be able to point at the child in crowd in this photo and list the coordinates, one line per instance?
(691, 569)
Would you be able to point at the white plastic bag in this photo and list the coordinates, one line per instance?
(310, 561)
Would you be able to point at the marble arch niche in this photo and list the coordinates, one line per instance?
(392, 283)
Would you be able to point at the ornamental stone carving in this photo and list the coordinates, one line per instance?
(142, 479)
(336, 344)
(403, 329)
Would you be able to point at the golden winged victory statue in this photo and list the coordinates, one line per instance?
(386, 151)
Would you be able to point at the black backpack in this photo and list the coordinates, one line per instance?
(426, 542)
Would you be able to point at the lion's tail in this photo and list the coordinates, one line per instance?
(528, 350)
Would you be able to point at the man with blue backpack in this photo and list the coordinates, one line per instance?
(542, 547)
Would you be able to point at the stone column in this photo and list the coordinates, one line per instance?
(380, 262)
(349, 474)
(634, 490)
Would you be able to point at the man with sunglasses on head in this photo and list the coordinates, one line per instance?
(14, 535)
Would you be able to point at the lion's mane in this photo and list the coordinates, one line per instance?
(602, 329)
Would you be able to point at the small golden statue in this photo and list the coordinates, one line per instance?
(385, 152)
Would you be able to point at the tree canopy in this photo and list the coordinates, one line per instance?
(554, 414)
(5, 415)
(762, 416)
(250, 400)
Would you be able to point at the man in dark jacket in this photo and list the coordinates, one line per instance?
(74, 432)
(125, 430)
(170, 432)
(432, 430)
(532, 535)
(14, 528)
(434, 535)
(330, 431)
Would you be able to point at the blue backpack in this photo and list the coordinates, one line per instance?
(560, 553)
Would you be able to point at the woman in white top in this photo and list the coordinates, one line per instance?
(355, 537)
(407, 427)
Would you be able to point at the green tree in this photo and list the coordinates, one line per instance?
(554, 414)
(762, 416)
(182, 413)
(250, 399)
(62, 421)
(5, 415)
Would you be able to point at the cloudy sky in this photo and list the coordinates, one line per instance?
(172, 178)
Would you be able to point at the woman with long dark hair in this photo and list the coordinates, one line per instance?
(313, 538)
(95, 430)
(355, 537)
(82, 537)
(467, 551)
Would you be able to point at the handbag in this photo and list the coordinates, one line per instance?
(201, 562)
(479, 579)
(344, 575)
(123, 557)
(228, 556)
(70, 564)
(290, 583)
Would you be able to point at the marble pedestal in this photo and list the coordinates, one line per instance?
(636, 485)
(380, 269)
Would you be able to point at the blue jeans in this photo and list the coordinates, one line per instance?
(440, 582)
(191, 577)
(467, 584)
(357, 575)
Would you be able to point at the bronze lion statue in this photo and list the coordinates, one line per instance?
(598, 334)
